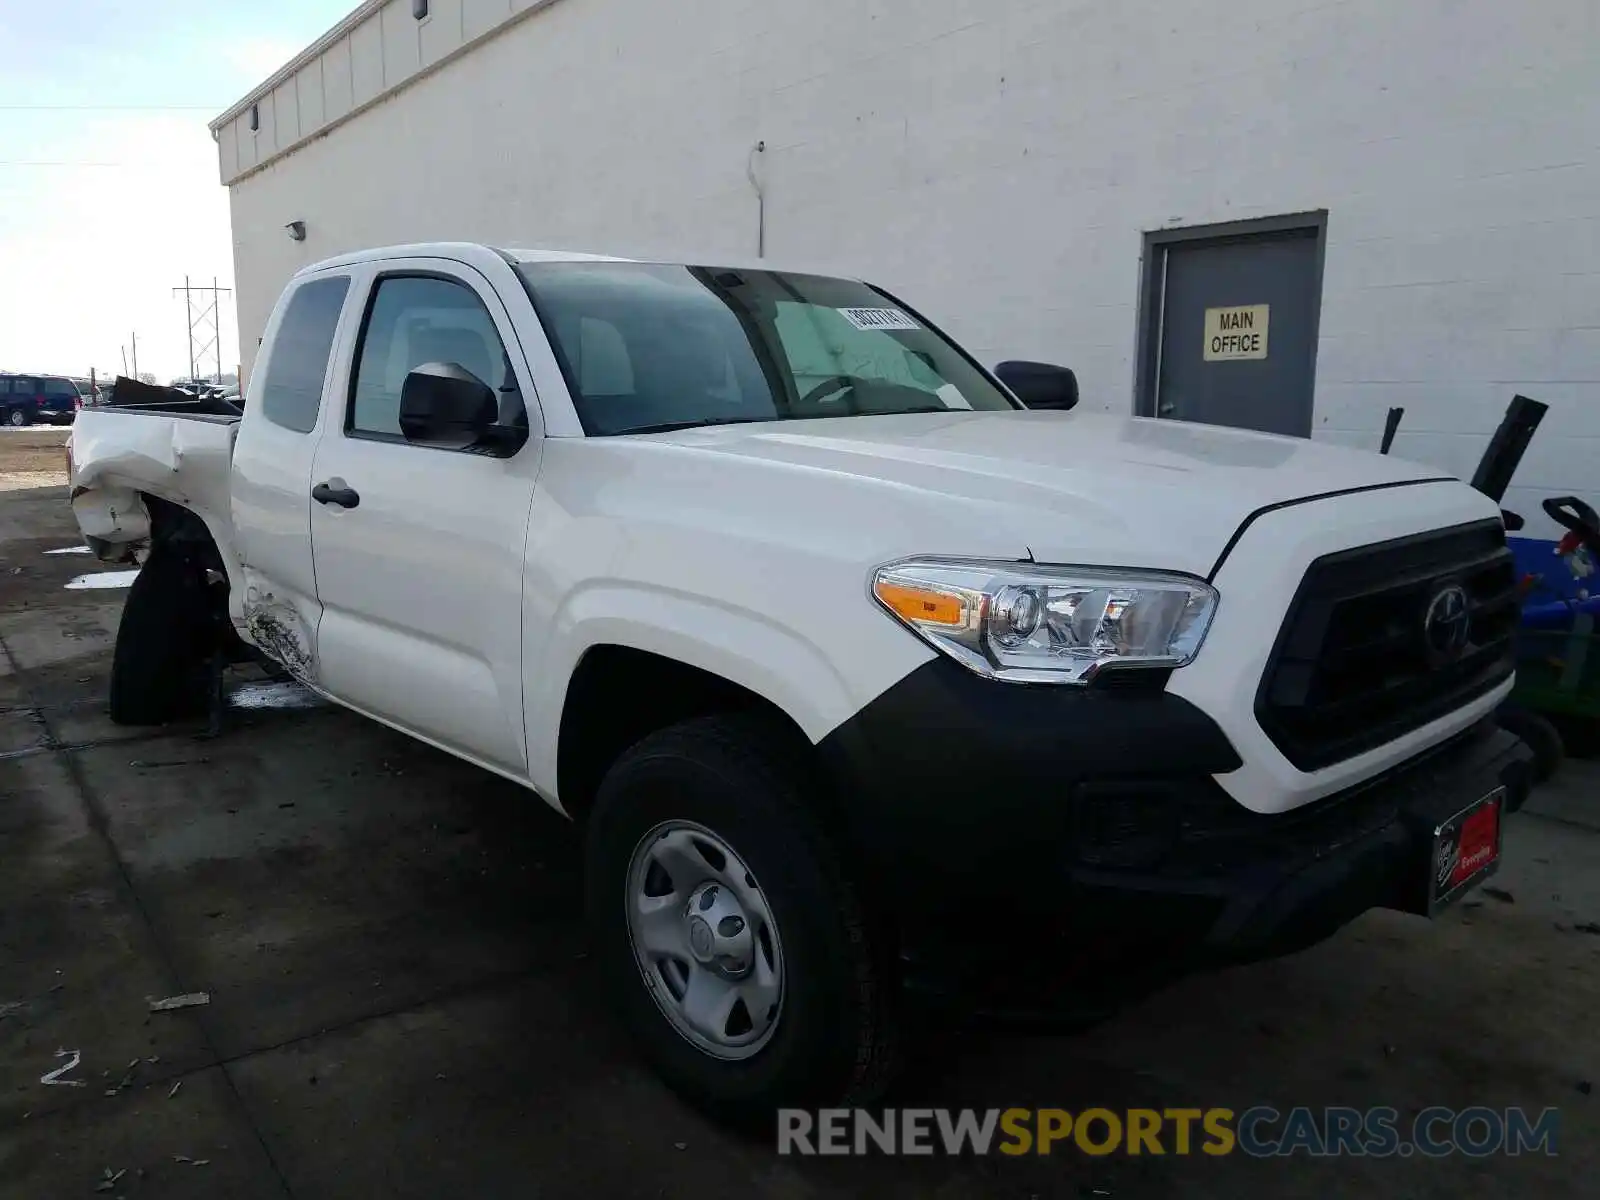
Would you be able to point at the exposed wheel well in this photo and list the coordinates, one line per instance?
(180, 531)
(172, 524)
(618, 695)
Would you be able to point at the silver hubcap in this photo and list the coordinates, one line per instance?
(704, 939)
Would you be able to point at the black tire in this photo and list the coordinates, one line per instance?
(1543, 738)
(835, 1041)
(159, 669)
(17, 418)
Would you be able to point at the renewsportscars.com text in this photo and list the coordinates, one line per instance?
(1260, 1132)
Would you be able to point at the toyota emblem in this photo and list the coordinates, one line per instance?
(1448, 624)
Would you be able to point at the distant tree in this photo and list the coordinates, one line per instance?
(146, 377)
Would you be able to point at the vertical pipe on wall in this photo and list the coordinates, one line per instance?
(761, 198)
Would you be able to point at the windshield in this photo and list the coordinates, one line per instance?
(647, 347)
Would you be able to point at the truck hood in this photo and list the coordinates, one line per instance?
(1162, 492)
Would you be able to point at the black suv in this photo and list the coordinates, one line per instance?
(52, 399)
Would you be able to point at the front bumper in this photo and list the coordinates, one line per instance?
(1026, 838)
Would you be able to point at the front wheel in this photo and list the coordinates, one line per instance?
(733, 945)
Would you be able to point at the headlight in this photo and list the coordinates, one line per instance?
(1036, 624)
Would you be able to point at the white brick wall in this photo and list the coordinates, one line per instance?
(997, 161)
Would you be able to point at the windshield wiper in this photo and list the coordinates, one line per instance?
(669, 426)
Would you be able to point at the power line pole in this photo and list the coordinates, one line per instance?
(204, 324)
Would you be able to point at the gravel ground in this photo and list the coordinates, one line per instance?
(31, 457)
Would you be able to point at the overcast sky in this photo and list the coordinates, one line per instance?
(109, 192)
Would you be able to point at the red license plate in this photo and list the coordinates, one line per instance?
(1466, 849)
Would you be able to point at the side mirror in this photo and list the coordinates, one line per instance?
(446, 406)
(1039, 385)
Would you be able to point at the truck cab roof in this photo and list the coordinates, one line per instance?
(466, 251)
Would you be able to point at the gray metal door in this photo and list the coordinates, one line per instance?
(1235, 339)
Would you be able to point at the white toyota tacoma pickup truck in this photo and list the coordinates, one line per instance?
(869, 673)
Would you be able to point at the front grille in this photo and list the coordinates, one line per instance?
(1353, 667)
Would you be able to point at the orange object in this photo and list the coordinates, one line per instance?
(922, 604)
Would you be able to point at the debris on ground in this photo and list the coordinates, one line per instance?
(187, 1000)
(1592, 927)
(1499, 894)
(109, 1180)
(680, 1145)
(8, 1007)
(174, 1090)
(53, 1078)
(1585, 1087)
(125, 1082)
(191, 1162)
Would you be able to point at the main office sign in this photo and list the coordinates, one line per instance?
(1238, 332)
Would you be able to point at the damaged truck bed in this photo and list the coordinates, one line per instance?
(123, 452)
(161, 465)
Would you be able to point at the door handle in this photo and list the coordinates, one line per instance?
(335, 492)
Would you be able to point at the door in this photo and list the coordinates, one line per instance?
(419, 550)
(60, 396)
(272, 468)
(1234, 326)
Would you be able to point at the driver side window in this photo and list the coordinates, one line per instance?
(416, 319)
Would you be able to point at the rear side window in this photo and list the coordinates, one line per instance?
(291, 389)
(59, 387)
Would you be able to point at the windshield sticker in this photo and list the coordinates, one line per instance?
(878, 318)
